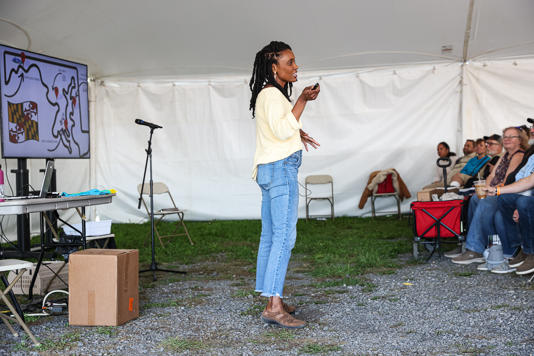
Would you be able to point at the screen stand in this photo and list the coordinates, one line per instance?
(51, 214)
(23, 220)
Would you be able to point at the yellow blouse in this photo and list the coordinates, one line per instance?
(277, 129)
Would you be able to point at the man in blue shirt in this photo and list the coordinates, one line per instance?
(474, 165)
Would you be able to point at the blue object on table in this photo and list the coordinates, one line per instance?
(90, 192)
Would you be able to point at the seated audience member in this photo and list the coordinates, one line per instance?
(494, 149)
(444, 151)
(528, 153)
(516, 205)
(473, 166)
(469, 152)
(481, 220)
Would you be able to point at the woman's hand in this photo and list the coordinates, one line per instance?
(307, 139)
(515, 217)
(492, 191)
(309, 93)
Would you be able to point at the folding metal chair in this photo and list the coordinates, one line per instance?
(319, 179)
(384, 190)
(101, 241)
(161, 188)
(19, 266)
(435, 223)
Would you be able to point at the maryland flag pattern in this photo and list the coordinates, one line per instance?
(23, 124)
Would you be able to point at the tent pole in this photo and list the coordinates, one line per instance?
(467, 35)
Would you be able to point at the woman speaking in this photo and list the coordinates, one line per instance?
(279, 141)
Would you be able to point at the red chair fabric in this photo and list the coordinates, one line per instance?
(386, 186)
(450, 213)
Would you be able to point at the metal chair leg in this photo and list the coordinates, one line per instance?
(398, 205)
(14, 312)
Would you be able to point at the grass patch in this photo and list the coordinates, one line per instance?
(366, 285)
(340, 250)
(319, 348)
(182, 302)
(60, 344)
(280, 335)
(254, 310)
(243, 293)
(466, 349)
(397, 325)
(464, 274)
(499, 306)
(176, 344)
(107, 330)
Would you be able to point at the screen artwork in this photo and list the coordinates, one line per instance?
(44, 106)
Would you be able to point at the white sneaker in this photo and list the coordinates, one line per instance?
(503, 268)
(484, 267)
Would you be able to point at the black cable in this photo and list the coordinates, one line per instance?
(7, 176)
(3, 235)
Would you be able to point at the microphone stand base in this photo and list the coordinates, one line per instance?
(154, 268)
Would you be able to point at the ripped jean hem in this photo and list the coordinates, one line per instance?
(268, 295)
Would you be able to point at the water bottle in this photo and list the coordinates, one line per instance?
(1, 184)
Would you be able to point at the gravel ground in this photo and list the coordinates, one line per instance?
(447, 310)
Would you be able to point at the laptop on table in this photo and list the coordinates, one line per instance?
(45, 187)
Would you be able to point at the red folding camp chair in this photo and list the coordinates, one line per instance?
(437, 222)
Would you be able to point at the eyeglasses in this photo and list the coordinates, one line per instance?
(509, 137)
(492, 143)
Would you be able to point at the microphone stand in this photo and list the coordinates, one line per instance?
(153, 266)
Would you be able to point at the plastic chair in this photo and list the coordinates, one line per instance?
(162, 189)
(384, 190)
(20, 266)
(319, 179)
(437, 222)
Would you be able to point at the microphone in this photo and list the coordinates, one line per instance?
(149, 124)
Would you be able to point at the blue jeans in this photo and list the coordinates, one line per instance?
(484, 219)
(279, 214)
(481, 215)
(524, 231)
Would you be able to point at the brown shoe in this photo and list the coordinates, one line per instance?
(289, 308)
(518, 260)
(282, 319)
(468, 257)
(527, 266)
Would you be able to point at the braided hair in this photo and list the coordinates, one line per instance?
(262, 72)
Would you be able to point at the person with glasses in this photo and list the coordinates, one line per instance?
(515, 204)
(528, 153)
(494, 149)
(481, 212)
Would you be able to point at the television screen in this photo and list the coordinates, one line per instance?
(45, 107)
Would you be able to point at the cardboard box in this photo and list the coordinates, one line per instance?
(426, 194)
(52, 275)
(103, 287)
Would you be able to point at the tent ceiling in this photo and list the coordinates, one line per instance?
(212, 38)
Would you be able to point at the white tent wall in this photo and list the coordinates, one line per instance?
(364, 120)
(497, 94)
